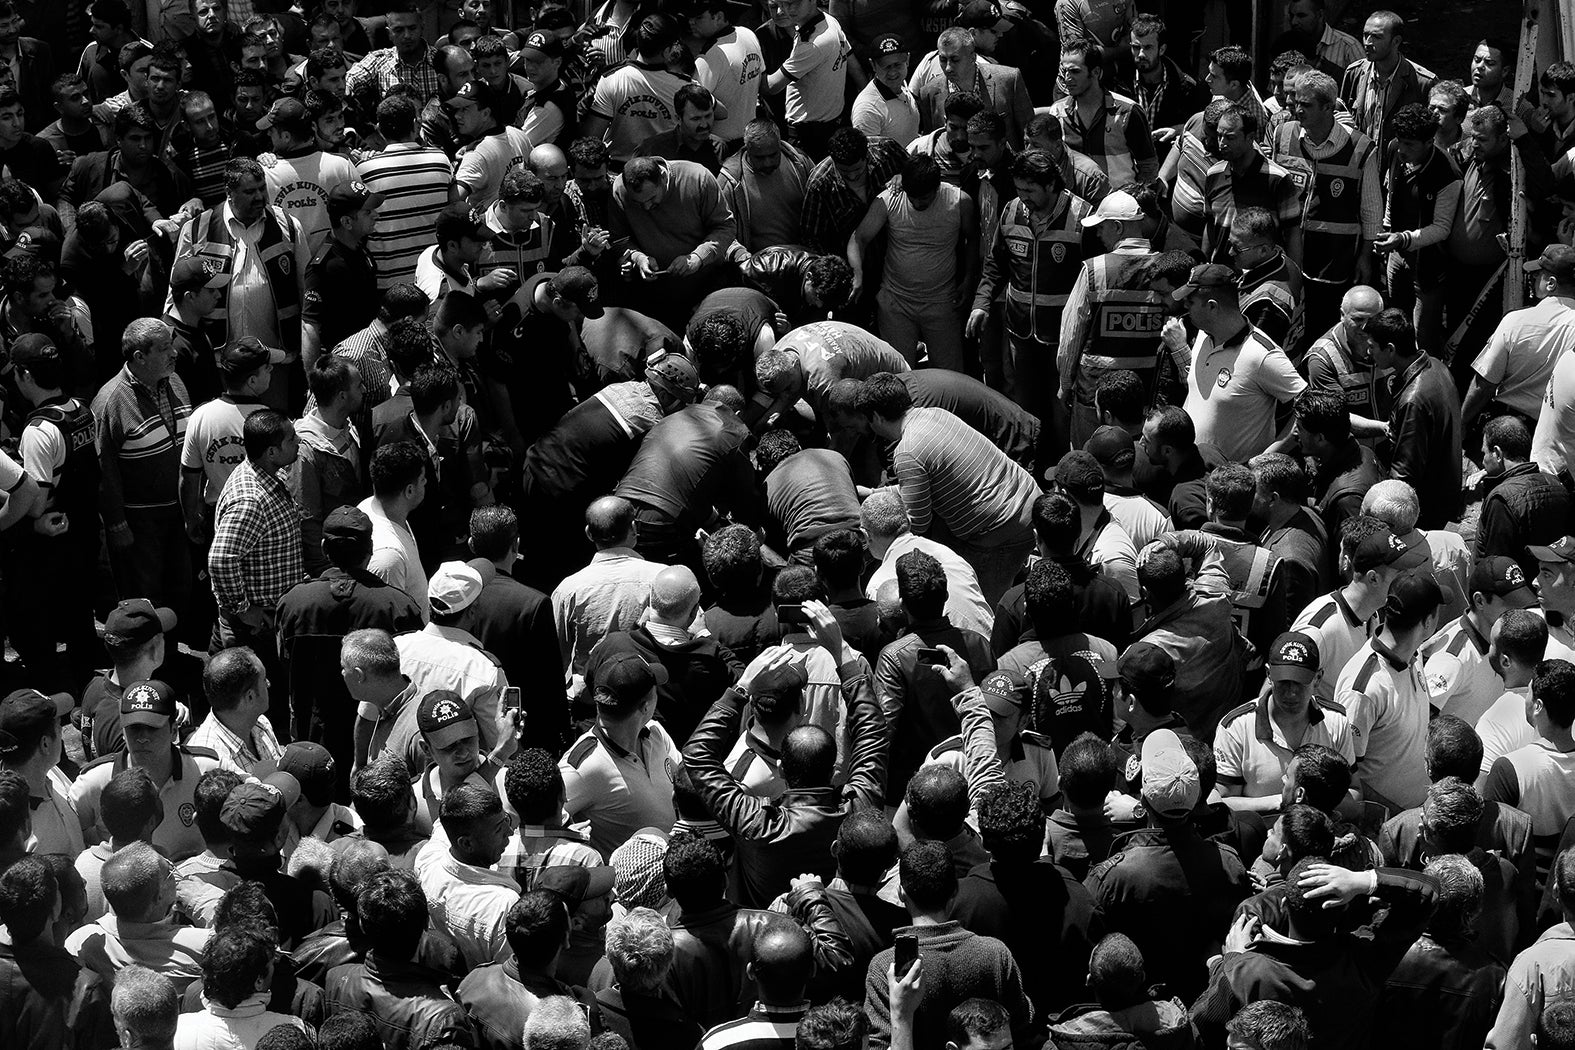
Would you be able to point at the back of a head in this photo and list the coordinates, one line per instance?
(349, 1031)
(1453, 749)
(1522, 636)
(732, 560)
(145, 1004)
(1048, 599)
(866, 846)
(1116, 974)
(1458, 899)
(1554, 689)
(128, 804)
(392, 911)
(1306, 831)
(937, 798)
(1394, 503)
(1323, 775)
(809, 756)
(609, 521)
(285, 1036)
(883, 514)
(1270, 1025)
(1012, 822)
(784, 961)
(381, 793)
(534, 785)
(695, 873)
(837, 1025)
(640, 950)
(1088, 771)
(795, 585)
(1163, 577)
(557, 1023)
(28, 891)
(234, 960)
(1556, 1026)
(921, 584)
(354, 864)
(131, 879)
(1057, 522)
(1450, 815)
(535, 928)
(839, 558)
(1309, 918)
(928, 877)
(977, 1019)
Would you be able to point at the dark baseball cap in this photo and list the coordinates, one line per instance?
(1112, 447)
(1556, 259)
(624, 679)
(26, 717)
(150, 703)
(576, 883)
(1079, 472)
(578, 285)
(194, 272)
(137, 620)
(1146, 669)
(242, 357)
(982, 14)
(34, 346)
(347, 523)
(1561, 549)
(1503, 577)
(889, 44)
(1293, 657)
(474, 93)
(347, 198)
(461, 220)
(443, 717)
(288, 114)
(1413, 595)
(1377, 549)
(542, 46)
(1204, 277)
(1004, 692)
(313, 769)
(254, 810)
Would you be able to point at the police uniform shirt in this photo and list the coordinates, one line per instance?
(213, 445)
(816, 70)
(1251, 752)
(757, 766)
(1386, 702)
(176, 836)
(1339, 633)
(620, 791)
(1128, 750)
(44, 452)
(1031, 761)
(1459, 678)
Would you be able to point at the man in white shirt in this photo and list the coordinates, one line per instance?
(1144, 520)
(886, 107)
(1461, 679)
(493, 148)
(886, 528)
(237, 729)
(814, 76)
(465, 898)
(213, 448)
(300, 176)
(731, 67)
(610, 594)
(1520, 641)
(399, 484)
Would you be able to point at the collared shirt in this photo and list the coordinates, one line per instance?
(468, 903)
(1503, 727)
(1522, 356)
(1371, 184)
(763, 1028)
(257, 755)
(252, 310)
(56, 828)
(109, 945)
(610, 594)
(141, 430)
(1339, 633)
(965, 604)
(1339, 49)
(533, 847)
(879, 111)
(1252, 752)
(1118, 138)
(217, 1027)
(620, 791)
(380, 70)
(256, 553)
(1460, 681)
(832, 210)
(1386, 701)
(415, 179)
(176, 836)
(1234, 390)
(951, 474)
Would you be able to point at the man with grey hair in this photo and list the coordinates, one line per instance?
(957, 66)
(1395, 503)
(146, 1008)
(764, 184)
(640, 950)
(609, 594)
(557, 1023)
(884, 519)
(139, 887)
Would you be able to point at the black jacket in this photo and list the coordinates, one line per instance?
(1423, 447)
(697, 673)
(1523, 507)
(515, 622)
(1443, 994)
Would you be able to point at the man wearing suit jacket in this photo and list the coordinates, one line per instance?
(956, 66)
(33, 63)
(1375, 87)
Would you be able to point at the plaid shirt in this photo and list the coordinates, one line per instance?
(832, 211)
(368, 351)
(374, 75)
(256, 552)
(534, 847)
(258, 754)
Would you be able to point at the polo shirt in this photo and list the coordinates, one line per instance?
(763, 1028)
(1333, 625)
(817, 72)
(300, 186)
(637, 100)
(1386, 701)
(485, 162)
(1503, 727)
(533, 847)
(1234, 389)
(620, 791)
(1030, 761)
(176, 836)
(1539, 781)
(1520, 357)
(877, 110)
(1455, 667)
(1252, 753)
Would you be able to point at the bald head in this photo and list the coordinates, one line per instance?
(1362, 300)
(674, 595)
(784, 962)
(609, 522)
(548, 159)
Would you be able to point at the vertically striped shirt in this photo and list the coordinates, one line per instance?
(949, 471)
(415, 179)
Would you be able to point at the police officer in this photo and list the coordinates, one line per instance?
(993, 718)
(1112, 319)
(1341, 362)
(54, 553)
(1257, 582)
(1144, 687)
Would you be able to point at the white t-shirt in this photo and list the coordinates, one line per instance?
(213, 443)
(435, 281)
(300, 185)
(1503, 727)
(1234, 390)
(639, 102)
(484, 162)
(1525, 346)
(395, 559)
(42, 448)
(731, 69)
(893, 118)
(818, 74)
(1553, 442)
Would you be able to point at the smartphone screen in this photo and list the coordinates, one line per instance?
(932, 656)
(905, 953)
(511, 698)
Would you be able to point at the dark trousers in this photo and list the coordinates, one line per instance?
(53, 579)
(157, 565)
(1466, 285)
(813, 136)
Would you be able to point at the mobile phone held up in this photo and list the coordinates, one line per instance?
(905, 952)
(792, 614)
(511, 698)
(933, 657)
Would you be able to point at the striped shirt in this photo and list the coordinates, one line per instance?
(415, 180)
(533, 847)
(1260, 183)
(256, 552)
(764, 1028)
(948, 471)
(139, 437)
(374, 75)
(256, 756)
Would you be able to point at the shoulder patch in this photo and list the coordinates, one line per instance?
(1457, 644)
(1321, 617)
(1365, 673)
(201, 752)
(946, 747)
(1237, 712)
(577, 754)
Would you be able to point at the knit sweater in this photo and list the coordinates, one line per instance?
(958, 966)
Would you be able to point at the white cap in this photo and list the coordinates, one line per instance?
(1118, 205)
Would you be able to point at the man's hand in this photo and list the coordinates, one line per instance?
(254, 616)
(595, 239)
(956, 674)
(976, 322)
(67, 157)
(1335, 885)
(50, 523)
(119, 537)
(1173, 333)
(905, 992)
(61, 317)
(135, 258)
(858, 286)
(1389, 242)
(1121, 808)
(1164, 136)
(1243, 933)
(772, 659)
(827, 631)
(644, 267)
(684, 265)
(496, 280)
(807, 881)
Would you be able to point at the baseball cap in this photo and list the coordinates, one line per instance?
(1293, 657)
(1170, 778)
(255, 809)
(34, 346)
(1118, 205)
(1146, 669)
(673, 374)
(542, 46)
(576, 883)
(461, 220)
(1112, 447)
(149, 703)
(288, 114)
(1557, 259)
(313, 769)
(624, 679)
(442, 717)
(137, 620)
(192, 273)
(1412, 596)
(1004, 692)
(347, 198)
(244, 356)
(981, 14)
(453, 587)
(25, 717)
(1379, 548)
(1561, 549)
(1208, 275)
(889, 44)
(1502, 577)
(474, 93)
(578, 285)
(1079, 471)
(347, 523)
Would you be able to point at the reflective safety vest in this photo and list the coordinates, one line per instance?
(1251, 569)
(1124, 323)
(1358, 383)
(1332, 226)
(74, 487)
(275, 250)
(1040, 272)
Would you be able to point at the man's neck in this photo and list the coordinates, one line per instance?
(335, 417)
(36, 774)
(140, 671)
(144, 377)
(1280, 512)
(1560, 737)
(1155, 75)
(1403, 647)
(1517, 677)
(430, 424)
(1289, 719)
(1239, 526)
(348, 239)
(453, 264)
(160, 767)
(1227, 330)
(1364, 600)
(237, 722)
(626, 734)
(692, 143)
(1319, 133)
(1088, 516)
(919, 919)
(1387, 66)
(844, 595)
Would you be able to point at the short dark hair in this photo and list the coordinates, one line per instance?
(1323, 774)
(1233, 61)
(396, 117)
(399, 301)
(466, 806)
(349, 1031)
(989, 123)
(534, 785)
(535, 927)
(921, 585)
(1556, 1026)
(1554, 688)
(1121, 393)
(1271, 1025)
(588, 152)
(1393, 328)
(937, 799)
(1056, 522)
(1048, 599)
(1092, 54)
(1414, 122)
(927, 875)
(329, 377)
(1230, 489)
(866, 846)
(1324, 414)
(1450, 814)
(1163, 577)
(976, 1017)
(432, 385)
(838, 1025)
(1306, 831)
(1522, 636)
(839, 558)
(264, 429)
(392, 912)
(692, 96)
(396, 466)
(884, 395)
(233, 961)
(213, 787)
(1012, 822)
(135, 117)
(1035, 166)
(695, 872)
(1173, 427)
(28, 889)
(381, 792)
(1088, 770)
(128, 802)
(1510, 435)
(732, 559)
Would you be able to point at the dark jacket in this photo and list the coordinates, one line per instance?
(746, 625)
(1185, 501)
(1159, 1024)
(1044, 915)
(868, 921)
(781, 839)
(36, 72)
(48, 1002)
(338, 945)
(1423, 447)
(1103, 609)
(711, 949)
(916, 701)
(499, 1001)
(1443, 994)
(1336, 980)
(406, 1001)
(697, 673)
(958, 965)
(1172, 891)
(647, 1020)
(1339, 487)
(515, 622)
(1523, 507)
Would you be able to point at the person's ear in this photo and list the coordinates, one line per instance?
(749, 970)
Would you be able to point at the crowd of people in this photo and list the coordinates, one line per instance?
(933, 526)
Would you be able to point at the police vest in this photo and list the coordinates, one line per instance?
(1124, 323)
(1332, 225)
(523, 251)
(1251, 569)
(74, 486)
(1119, 164)
(275, 250)
(1358, 384)
(1041, 272)
(1271, 293)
